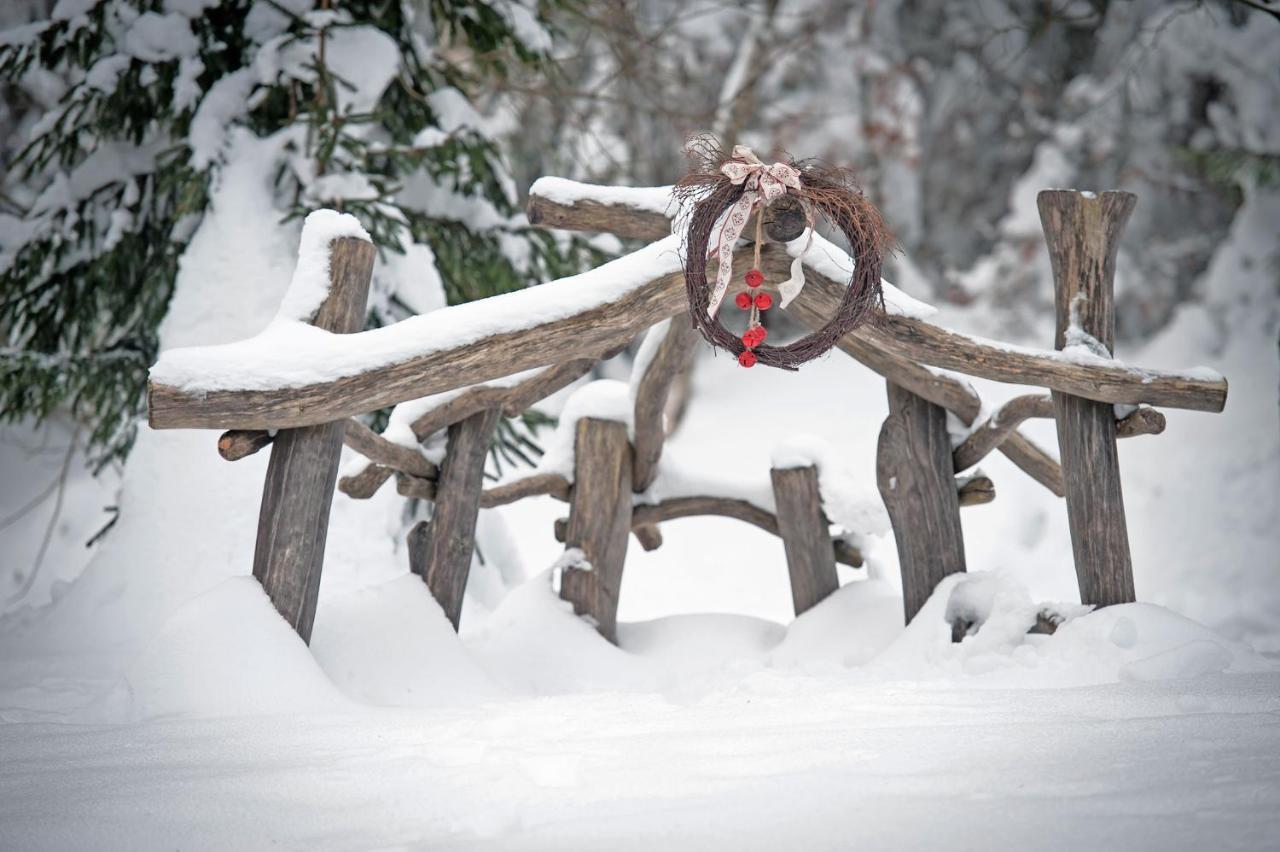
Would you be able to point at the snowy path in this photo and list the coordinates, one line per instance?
(1190, 764)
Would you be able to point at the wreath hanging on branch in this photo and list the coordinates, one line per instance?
(725, 191)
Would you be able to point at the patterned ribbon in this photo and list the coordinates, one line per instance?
(763, 184)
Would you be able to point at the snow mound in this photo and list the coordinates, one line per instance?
(391, 644)
(1127, 642)
(229, 653)
(534, 643)
(847, 629)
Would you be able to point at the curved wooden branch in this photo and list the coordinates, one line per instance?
(998, 426)
(601, 326)
(363, 485)
(513, 399)
(652, 514)
(921, 341)
(651, 398)
(378, 449)
(552, 484)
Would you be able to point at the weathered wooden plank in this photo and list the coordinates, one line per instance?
(815, 305)
(917, 482)
(587, 215)
(926, 343)
(1082, 231)
(588, 333)
(806, 536)
(673, 355)
(599, 521)
(444, 551)
(293, 520)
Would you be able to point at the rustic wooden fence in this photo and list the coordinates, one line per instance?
(923, 479)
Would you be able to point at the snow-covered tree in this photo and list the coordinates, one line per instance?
(370, 104)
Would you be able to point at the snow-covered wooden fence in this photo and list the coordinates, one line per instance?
(297, 386)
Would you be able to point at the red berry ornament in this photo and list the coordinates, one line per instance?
(755, 278)
(743, 300)
(749, 340)
(761, 334)
(747, 358)
(764, 301)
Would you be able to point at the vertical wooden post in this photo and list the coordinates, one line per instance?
(599, 521)
(916, 477)
(440, 549)
(1082, 231)
(293, 521)
(806, 535)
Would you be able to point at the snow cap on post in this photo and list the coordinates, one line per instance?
(310, 284)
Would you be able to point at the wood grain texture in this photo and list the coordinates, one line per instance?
(513, 399)
(293, 520)
(652, 514)
(957, 396)
(806, 536)
(379, 450)
(450, 541)
(673, 355)
(586, 334)
(917, 482)
(975, 490)
(926, 343)
(996, 428)
(590, 332)
(236, 444)
(552, 484)
(363, 485)
(1082, 232)
(599, 521)
(584, 215)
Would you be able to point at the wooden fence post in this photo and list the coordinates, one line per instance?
(293, 521)
(916, 477)
(806, 535)
(440, 550)
(599, 521)
(1082, 230)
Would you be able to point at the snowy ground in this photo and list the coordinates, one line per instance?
(158, 700)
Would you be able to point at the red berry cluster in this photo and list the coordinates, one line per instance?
(755, 333)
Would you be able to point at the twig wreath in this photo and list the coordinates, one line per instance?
(726, 191)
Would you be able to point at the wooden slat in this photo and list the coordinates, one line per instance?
(599, 521)
(293, 521)
(1082, 231)
(806, 536)
(445, 548)
(917, 482)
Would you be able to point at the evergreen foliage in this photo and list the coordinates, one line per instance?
(371, 103)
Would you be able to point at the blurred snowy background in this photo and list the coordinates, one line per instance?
(175, 224)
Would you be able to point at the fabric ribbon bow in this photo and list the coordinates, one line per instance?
(763, 184)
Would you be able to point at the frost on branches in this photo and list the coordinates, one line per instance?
(129, 113)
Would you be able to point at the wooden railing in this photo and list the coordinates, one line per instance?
(921, 476)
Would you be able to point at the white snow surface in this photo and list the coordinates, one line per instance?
(157, 700)
(309, 286)
(289, 354)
